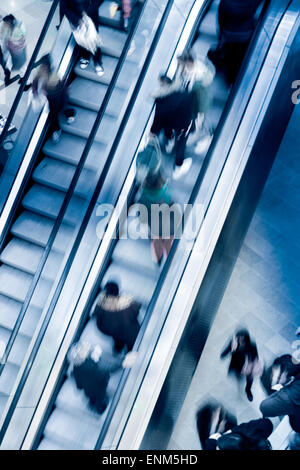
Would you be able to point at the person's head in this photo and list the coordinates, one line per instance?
(187, 59)
(243, 337)
(164, 80)
(230, 441)
(45, 64)
(111, 289)
(10, 21)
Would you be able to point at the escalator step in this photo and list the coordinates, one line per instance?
(47, 202)
(70, 148)
(36, 228)
(9, 311)
(137, 254)
(58, 175)
(112, 41)
(15, 284)
(8, 378)
(20, 346)
(26, 256)
(90, 94)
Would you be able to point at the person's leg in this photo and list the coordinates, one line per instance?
(5, 69)
(157, 249)
(118, 346)
(97, 57)
(167, 245)
(85, 58)
(249, 382)
(180, 143)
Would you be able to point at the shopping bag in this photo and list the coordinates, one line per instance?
(86, 34)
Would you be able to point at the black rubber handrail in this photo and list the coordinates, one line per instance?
(89, 210)
(30, 67)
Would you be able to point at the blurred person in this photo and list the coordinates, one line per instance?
(155, 197)
(4, 67)
(92, 368)
(117, 316)
(173, 116)
(13, 41)
(236, 20)
(75, 11)
(244, 360)
(47, 84)
(286, 399)
(280, 371)
(246, 436)
(196, 76)
(213, 418)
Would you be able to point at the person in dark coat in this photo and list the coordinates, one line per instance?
(280, 372)
(173, 115)
(213, 418)
(246, 436)
(117, 316)
(286, 400)
(74, 9)
(241, 349)
(92, 369)
(236, 19)
(5, 68)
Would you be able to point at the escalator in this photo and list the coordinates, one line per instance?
(40, 234)
(63, 420)
(59, 183)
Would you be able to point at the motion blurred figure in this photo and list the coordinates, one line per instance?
(117, 316)
(213, 418)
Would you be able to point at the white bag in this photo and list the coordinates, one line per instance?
(86, 34)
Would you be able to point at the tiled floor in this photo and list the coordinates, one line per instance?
(263, 294)
(33, 14)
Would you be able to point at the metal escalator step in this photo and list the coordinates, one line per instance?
(128, 74)
(141, 286)
(26, 256)
(84, 122)
(9, 311)
(36, 228)
(58, 175)
(48, 444)
(71, 430)
(209, 24)
(8, 378)
(3, 401)
(90, 94)
(15, 284)
(70, 148)
(137, 254)
(20, 346)
(47, 202)
(112, 41)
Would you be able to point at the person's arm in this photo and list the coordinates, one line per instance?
(226, 350)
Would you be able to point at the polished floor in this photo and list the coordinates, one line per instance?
(263, 294)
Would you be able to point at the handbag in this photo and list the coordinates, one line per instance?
(254, 368)
(86, 34)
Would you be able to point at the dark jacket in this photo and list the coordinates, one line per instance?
(118, 317)
(173, 110)
(93, 378)
(254, 435)
(239, 356)
(237, 16)
(293, 390)
(204, 422)
(74, 9)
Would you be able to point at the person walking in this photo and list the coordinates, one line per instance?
(92, 368)
(117, 316)
(286, 399)
(173, 117)
(244, 361)
(83, 16)
(213, 418)
(13, 38)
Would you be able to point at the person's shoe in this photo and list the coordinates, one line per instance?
(249, 395)
(183, 169)
(125, 24)
(84, 63)
(203, 144)
(56, 136)
(99, 70)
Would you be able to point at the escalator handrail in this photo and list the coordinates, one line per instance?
(30, 67)
(176, 241)
(89, 210)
